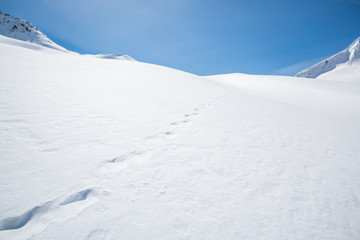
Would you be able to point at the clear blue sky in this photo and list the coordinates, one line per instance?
(200, 36)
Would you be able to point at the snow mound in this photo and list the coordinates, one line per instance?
(348, 56)
(117, 56)
(20, 29)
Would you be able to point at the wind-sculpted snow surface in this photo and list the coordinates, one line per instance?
(98, 149)
(345, 58)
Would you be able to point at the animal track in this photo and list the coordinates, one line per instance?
(20, 221)
(80, 196)
(123, 157)
(149, 140)
(188, 116)
(97, 234)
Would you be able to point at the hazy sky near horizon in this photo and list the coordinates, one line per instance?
(200, 36)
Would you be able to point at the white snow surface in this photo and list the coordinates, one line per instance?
(117, 56)
(99, 149)
(343, 59)
(349, 72)
(21, 29)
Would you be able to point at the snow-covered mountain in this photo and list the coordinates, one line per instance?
(344, 59)
(20, 29)
(17, 28)
(101, 149)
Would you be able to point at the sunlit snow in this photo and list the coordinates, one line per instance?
(96, 148)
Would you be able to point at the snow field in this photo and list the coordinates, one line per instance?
(105, 149)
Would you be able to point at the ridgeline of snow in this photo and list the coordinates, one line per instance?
(344, 72)
(347, 57)
(20, 29)
(117, 56)
(95, 149)
(17, 28)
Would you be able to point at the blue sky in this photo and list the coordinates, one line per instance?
(200, 36)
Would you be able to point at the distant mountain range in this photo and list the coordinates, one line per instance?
(343, 65)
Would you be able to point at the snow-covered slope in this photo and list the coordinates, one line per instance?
(14, 27)
(349, 72)
(98, 149)
(116, 56)
(20, 29)
(343, 59)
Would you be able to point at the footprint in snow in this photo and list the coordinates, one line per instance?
(17, 222)
(79, 196)
(97, 234)
(20, 221)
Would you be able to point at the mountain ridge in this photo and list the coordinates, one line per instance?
(348, 56)
(20, 29)
(15, 27)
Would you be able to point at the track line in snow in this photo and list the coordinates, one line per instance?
(143, 152)
(79, 196)
(97, 234)
(17, 222)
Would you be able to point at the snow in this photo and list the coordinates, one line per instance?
(20, 29)
(17, 28)
(115, 56)
(97, 149)
(349, 72)
(344, 58)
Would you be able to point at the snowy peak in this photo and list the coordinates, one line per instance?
(20, 29)
(354, 50)
(349, 55)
